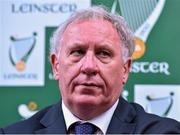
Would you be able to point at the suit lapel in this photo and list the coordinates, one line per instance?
(121, 121)
(53, 121)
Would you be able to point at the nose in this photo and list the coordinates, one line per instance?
(89, 64)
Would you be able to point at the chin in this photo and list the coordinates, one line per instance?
(86, 100)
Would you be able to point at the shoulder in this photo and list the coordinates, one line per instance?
(150, 123)
(1, 130)
(27, 126)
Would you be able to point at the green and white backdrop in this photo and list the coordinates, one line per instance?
(26, 80)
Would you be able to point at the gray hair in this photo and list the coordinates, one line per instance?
(118, 22)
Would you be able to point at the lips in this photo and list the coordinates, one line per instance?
(89, 84)
(89, 88)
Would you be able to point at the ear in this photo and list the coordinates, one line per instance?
(126, 70)
(55, 66)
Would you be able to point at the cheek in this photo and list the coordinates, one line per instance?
(67, 71)
(113, 76)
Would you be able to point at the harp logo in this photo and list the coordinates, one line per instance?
(20, 50)
(141, 16)
(159, 99)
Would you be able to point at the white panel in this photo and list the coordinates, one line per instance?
(160, 95)
(20, 19)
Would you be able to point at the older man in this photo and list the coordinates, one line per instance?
(91, 59)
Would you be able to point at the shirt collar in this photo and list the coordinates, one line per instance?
(102, 121)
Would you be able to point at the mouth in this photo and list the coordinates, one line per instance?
(89, 84)
(88, 88)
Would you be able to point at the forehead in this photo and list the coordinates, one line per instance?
(93, 33)
(91, 27)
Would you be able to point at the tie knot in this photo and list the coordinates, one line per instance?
(84, 128)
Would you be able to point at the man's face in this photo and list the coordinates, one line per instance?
(89, 67)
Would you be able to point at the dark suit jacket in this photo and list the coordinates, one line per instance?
(127, 118)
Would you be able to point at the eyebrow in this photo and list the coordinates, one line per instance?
(105, 46)
(76, 45)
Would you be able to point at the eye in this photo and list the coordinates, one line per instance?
(77, 52)
(103, 54)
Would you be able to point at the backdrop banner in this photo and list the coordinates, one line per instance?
(26, 80)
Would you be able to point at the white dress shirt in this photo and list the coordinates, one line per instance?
(102, 121)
